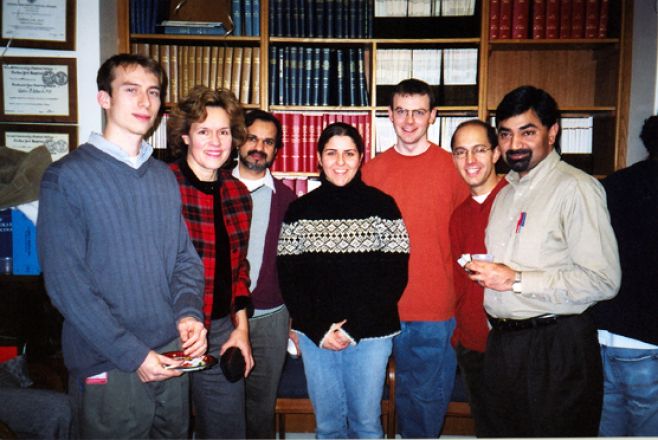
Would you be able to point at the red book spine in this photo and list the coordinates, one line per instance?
(295, 153)
(552, 14)
(304, 151)
(539, 19)
(603, 18)
(494, 17)
(592, 19)
(520, 16)
(311, 138)
(505, 20)
(282, 156)
(289, 182)
(301, 186)
(565, 18)
(367, 138)
(578, 19)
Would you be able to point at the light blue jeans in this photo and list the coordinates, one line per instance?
(346, 387)
(630, 401)
(425, 368)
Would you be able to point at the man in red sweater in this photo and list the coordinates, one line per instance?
(475, 153)
(426, 187)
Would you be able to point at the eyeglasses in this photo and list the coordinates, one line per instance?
(416, 114)
(477, 151)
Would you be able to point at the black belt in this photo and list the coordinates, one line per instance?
(506, 324)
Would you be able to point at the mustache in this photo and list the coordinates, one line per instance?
(521, 152)
(260, 153)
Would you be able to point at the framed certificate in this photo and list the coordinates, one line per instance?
(59, 139)
(43, 24)
(38, 90)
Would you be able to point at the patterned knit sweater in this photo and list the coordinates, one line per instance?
(343, 254)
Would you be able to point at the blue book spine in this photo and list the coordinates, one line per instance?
(248, 14)
(318, 17)
(294, 77)
(352, 77)
(5, 234)
(317, 68)
(286, 18)
(236, 16)
(369, 13)
(340, 77)
(363, 84)
(273, 22)
(273, 72)
(325, 75)
(24, 237)
(308, 75)
(337, 16)
(329, 17)
(255, 17)
(310, 19)
(282, 75)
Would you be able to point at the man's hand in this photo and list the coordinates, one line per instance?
(495, 276)
(240, 338)
(335, 338)
(153, 370)
(193, 336)
(294, 337)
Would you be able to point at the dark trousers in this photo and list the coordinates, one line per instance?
(471, 367)
(545, 381)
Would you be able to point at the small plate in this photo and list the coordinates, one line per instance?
(189, 363)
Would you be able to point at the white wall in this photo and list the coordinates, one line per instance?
(88, 57)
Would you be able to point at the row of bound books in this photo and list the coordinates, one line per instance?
(232, 68)
(548, 19)
(301, 131)
(434, 66)
(321, 18)
(18, 242)
(439, 133)
(245, 15)
(318, 76)
(145, 15)
(424, 8)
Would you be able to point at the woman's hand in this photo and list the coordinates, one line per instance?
(335, 339)
(240, 338)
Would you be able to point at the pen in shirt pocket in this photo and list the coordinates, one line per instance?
(521, 222)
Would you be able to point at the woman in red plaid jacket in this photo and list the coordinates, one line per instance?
(204, 128)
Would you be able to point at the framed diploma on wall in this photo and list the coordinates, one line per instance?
(59, 139)
(43, 24)
(38, 90)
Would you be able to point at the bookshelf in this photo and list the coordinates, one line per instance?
(587, 76)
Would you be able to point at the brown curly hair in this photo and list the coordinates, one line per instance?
(192, 109)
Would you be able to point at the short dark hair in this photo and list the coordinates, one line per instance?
(412, 86)
(491, 132)
(649, 136)
(525, 98)
(340, 129)
(107, 71)
(192, 108)
(262, 115)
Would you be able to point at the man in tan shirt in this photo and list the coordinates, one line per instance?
(555, 255)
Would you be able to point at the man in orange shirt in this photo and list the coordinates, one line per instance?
(424, 183)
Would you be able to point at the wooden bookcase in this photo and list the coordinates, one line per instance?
(587, 77)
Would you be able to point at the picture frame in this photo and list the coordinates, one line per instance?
(59, 139)
(42, 24)
(38, 90)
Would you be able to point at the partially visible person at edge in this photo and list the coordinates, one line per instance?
(268, 328)
(204, 127)
(342, 259)
(555, 256)
(475, 153)
(119, 265)
(423, 181)
(628, 333)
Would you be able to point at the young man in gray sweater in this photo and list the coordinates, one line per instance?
(120, 267)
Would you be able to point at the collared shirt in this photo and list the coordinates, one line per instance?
(107, 147)
(252, 185)
(553, 226)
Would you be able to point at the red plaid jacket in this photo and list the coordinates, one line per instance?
(198, 213)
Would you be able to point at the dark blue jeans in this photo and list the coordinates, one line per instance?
(425, 368)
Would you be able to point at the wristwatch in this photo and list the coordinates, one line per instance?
(516, 285)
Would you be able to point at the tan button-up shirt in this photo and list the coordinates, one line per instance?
(553, 226)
